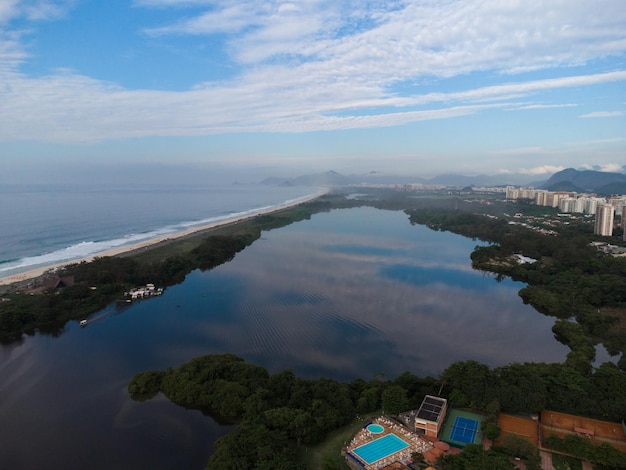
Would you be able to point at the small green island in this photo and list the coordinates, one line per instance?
(286, 422)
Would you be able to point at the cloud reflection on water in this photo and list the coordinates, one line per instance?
(372, 294)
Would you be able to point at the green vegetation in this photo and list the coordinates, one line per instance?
(275, 412)
(603, 455)
(529, 388)
(474, 457)
(564, 462)
(520, 448)
(489, 426)
(326, 455)
(280, 417)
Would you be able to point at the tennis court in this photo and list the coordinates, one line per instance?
(462, 427)
(380, 448)
(464, 430)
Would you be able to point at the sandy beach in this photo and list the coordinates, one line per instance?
(40, 271)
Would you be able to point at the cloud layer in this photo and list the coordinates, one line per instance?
(317, 65)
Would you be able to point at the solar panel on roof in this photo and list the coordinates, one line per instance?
(431, 408)
(434, 401)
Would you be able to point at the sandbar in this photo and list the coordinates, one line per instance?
(40, 271)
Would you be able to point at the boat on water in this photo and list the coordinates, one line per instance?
(83, 323)
(149, 290)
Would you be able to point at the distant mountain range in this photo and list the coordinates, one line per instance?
(599, 182)
(334, 178)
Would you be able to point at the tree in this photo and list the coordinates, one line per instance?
(474, 458)
(473, 379)
(491, 430)
(368, 400)
(519, 447)
(394, 400)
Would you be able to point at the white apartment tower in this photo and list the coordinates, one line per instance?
(512, 192)
(604, 220)
(591, 204)
(541, 197)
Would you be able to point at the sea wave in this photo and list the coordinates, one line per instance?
(87, 248)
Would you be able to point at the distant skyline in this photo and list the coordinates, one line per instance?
(186, 89)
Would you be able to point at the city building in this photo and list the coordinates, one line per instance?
(520, 193)
(604, 220)
(430, 416)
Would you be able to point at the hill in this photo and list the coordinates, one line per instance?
(333, 178)
(587, 180)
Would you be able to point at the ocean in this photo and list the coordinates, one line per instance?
(47, 224)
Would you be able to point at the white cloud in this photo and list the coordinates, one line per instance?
(420, 38)
(602, 114)
(544, 106)
(12, 49)
(66, 107)
(228, 20)
(171, 3)
(8, 10)
(514, 90)
(316, 65)
(541, 170)
(33, 10)
(608, 167)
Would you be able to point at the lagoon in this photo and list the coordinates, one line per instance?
(350, 293)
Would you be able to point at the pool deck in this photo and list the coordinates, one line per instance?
(416, 443)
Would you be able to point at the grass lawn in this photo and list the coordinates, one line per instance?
(563, 462)
(327, 454)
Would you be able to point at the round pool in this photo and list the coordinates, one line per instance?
(375, 428)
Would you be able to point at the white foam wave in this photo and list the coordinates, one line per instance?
(89, 248)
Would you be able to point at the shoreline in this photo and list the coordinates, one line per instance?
(127, 249)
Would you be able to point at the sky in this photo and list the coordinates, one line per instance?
(181, 88)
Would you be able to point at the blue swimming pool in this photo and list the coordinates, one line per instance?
(380, 448)
(375, 428)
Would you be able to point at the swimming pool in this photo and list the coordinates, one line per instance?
(375, 428)
(380, 448)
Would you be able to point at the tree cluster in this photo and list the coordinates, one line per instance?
(474, 457)
(604, 455)
(278, 413)
(532, 387)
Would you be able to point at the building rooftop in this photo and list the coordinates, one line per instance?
(431, 408)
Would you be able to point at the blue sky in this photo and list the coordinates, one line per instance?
(274, 87)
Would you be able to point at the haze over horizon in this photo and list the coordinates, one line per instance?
(162, 89)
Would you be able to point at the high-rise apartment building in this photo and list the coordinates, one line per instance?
(604, 220)
(541, 197)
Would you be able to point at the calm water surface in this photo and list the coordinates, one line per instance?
(347, 294)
